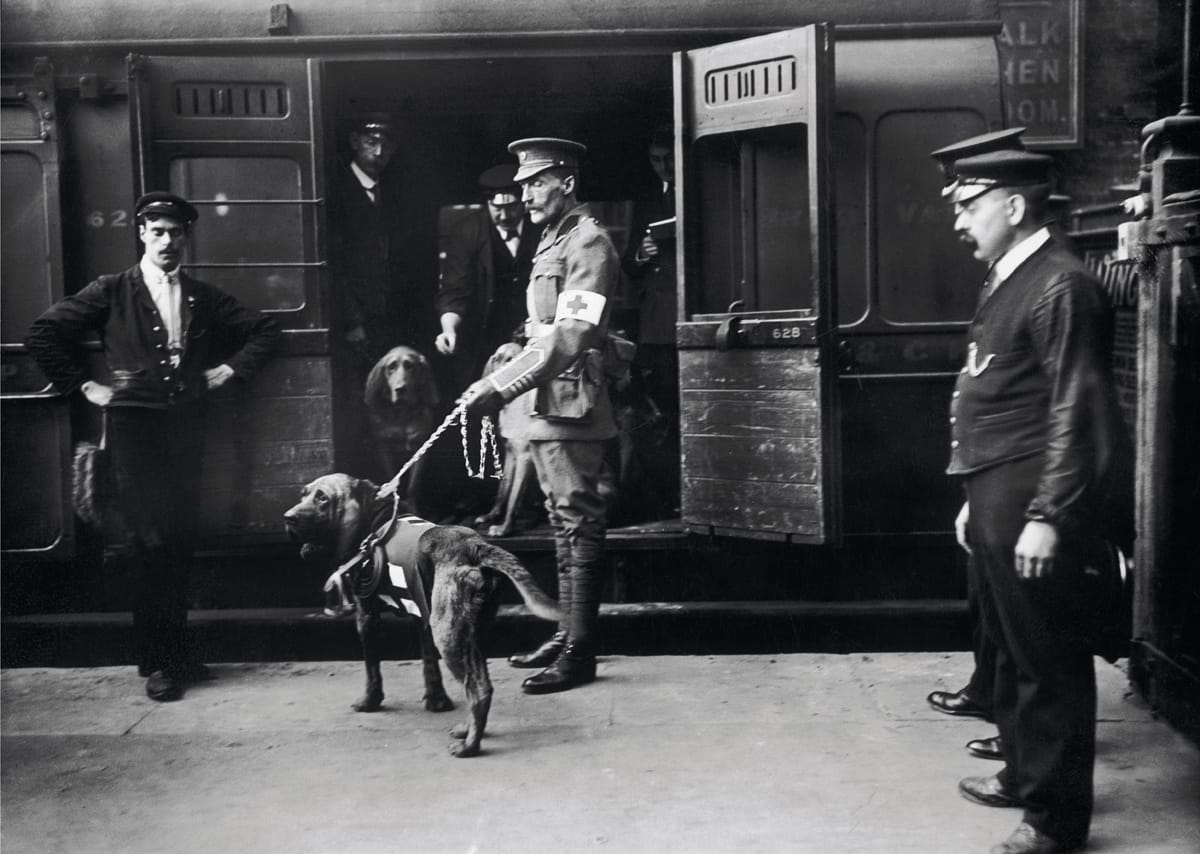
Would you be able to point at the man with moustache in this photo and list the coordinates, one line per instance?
(975, 698)
(558, 381)
(168, 340)
(1040, 446)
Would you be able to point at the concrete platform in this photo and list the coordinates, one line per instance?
(786, 753)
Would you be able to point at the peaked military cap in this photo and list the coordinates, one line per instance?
(537, 154)
(998, 140)
(983, 172)
(161, 203)
(374, 123)
(500, 185)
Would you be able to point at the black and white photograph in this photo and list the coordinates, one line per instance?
(633, 426)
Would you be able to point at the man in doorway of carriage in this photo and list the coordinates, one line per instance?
(486, 257)
(1040, 446)
(649, 262)
(168, 341)
(559, 382)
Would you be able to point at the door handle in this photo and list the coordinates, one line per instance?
(729, 333)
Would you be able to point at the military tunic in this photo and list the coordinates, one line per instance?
(576, 257)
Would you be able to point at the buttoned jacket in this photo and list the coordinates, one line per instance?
(467, 283)
(216, 329)
(1038, 380)
(575, 254)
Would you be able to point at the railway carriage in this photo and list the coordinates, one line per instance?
(822, 296)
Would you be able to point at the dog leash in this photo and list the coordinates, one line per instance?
(487, 450)
(343, 578)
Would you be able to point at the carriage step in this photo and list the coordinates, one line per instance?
(637, 628)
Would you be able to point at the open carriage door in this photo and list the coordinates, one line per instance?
(756, 330)
(237, 138)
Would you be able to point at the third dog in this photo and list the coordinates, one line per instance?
(401, 397)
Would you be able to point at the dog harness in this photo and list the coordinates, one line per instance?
(388, 568)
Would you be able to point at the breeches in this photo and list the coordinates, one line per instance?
(569, 475)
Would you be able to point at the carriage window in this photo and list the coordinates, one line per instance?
(23, 267)
(754, 242)
(244, 230)
(940, 282)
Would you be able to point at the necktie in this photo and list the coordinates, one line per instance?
(990, 281)
(172, 316)
(512, 240)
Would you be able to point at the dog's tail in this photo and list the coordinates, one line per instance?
(496, 558)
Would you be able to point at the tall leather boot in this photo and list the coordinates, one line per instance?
(576, 664)
(545, 654)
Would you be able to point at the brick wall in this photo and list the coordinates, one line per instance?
(1130, 60)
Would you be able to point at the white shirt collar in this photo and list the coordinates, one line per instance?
(1017, 255)
(156, 278)
(368, 183)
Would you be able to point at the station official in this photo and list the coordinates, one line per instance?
(168, 341)
(975, 698)
(1040, 446)
(559, 381)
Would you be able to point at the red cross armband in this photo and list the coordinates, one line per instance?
(587, 306)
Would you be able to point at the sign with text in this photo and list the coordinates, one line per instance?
(1040, 45)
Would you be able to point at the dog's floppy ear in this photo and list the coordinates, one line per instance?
(429, 392)
(375, 390)
(503, 355)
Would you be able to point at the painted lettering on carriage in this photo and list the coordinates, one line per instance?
(112, 219)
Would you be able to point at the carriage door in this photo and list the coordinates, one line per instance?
(36, 446)
(235, 136)
(756, 326)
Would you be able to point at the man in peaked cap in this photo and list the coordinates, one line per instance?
(485, 258)
(975, 698)
(559, 382)
(366, 240)
(382, 253)
(1041, 449)
(160, 330)
(1008, 139)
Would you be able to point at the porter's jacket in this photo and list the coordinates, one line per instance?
(119, 309)
(1038, 380)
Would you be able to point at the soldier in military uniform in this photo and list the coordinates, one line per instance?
(559, 382)
(1039, 443)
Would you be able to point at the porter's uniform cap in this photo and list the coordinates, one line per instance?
(381, 124)
(983, 172)
(161, 203)
(499, 185)
(999, 140)
(538, 154)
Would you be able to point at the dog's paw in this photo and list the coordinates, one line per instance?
(369, 703)
(499, 530)
(459, 731)
(462, 750)
(438, 703)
